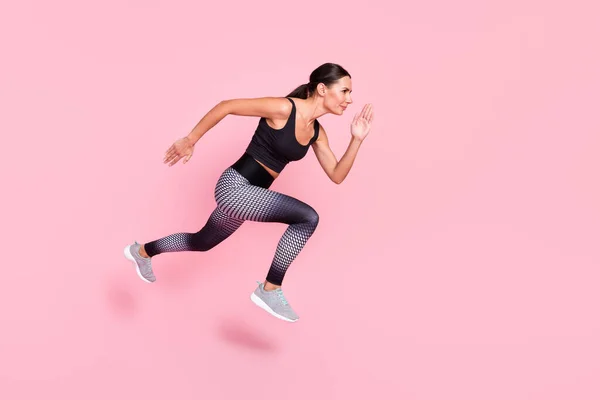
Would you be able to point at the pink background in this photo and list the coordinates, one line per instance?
(459, 260)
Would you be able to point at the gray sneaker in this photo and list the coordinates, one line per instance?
(143, 265)
(274, 303)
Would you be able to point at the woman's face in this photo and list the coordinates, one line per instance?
(338, 96)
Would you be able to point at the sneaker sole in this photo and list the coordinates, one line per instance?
(257, 300)
(128, 255)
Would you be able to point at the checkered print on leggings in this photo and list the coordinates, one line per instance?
(239, 201)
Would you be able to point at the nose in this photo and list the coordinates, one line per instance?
(348, 99)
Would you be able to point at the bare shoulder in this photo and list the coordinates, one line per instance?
(267, 107)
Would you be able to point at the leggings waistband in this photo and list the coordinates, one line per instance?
(250, 169)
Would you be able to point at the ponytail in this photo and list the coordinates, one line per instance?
(301, 92)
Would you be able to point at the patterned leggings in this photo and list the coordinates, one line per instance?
(239, 201)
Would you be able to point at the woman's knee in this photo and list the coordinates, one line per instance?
(311, 216)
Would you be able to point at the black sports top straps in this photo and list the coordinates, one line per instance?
(275, 148)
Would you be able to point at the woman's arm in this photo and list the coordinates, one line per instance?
(267, 107)
(335, 170)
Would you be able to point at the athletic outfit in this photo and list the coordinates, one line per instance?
(242, 194)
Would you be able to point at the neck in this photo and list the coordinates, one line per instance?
(313, 109)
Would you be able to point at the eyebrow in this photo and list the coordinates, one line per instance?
(347, 88)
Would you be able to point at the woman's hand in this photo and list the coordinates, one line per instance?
(361, 124)
(182, 148)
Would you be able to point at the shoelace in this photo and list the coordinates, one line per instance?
(281, 296)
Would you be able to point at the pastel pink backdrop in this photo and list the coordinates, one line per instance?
(459, 260)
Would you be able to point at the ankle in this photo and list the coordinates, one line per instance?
(269, 286)
(142, 252)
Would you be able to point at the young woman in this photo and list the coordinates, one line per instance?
(286, 129)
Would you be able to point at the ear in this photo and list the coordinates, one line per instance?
(321, 89)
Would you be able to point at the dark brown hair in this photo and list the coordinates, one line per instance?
(327, 74)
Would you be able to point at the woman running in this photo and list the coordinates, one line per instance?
(286, 129)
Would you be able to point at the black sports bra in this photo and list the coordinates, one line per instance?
(275, 148)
